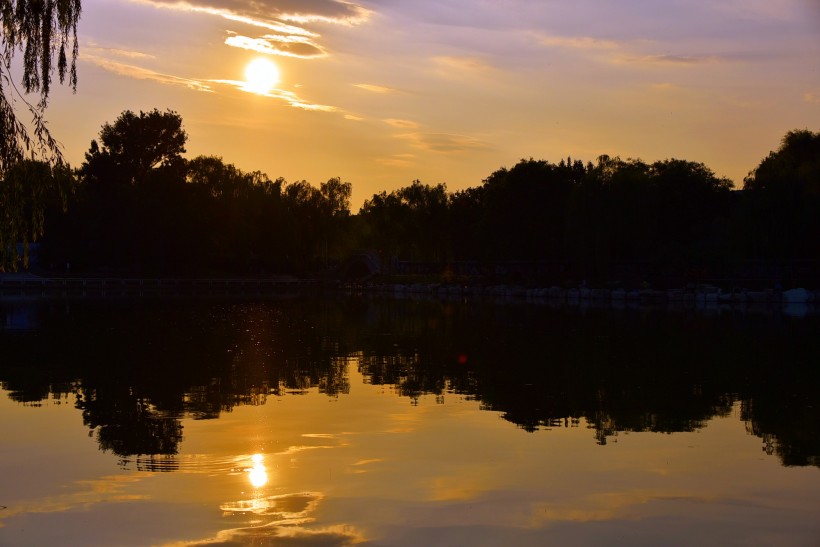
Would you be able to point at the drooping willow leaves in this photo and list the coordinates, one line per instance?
(38, 38)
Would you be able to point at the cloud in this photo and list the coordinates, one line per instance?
(398, 160)
(93, 47)
(444, 143)
(374, 88)
(578, 42)
(273, 12)
(140, 73)
(285, 21)
(273, 44)
(626, 52)
(468, 64)
(402, 124)
(674, 60)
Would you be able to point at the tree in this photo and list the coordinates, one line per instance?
(410, 222)
(782, 200)
(28, 189)
(336, 195)
(132, 187)
(135, 145)
(40, 30)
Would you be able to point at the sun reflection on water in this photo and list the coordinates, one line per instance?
(257, 474)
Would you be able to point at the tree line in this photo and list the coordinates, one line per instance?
(136, 206)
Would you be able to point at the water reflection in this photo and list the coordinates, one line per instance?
(258, 474)
(137, 367)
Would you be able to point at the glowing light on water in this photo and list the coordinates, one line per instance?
(257, 474)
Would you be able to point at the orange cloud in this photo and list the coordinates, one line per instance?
(403, 124)
(140, 73)
(374, 88)
(444, 143)
(287, 96)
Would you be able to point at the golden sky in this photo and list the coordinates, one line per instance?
(382, 92)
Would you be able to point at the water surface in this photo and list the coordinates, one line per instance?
(396, 422)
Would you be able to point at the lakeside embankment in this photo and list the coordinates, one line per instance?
(706, 296)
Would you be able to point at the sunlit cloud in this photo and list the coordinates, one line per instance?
(444, 143)
(375, 88)
(280, 94)
(398, 160)
(270, 44)
(401, 124)
(139, 73)
(94, 49)
(284, 19)
(268, 25)
(273, 12)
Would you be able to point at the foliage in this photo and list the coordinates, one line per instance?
(28, 189)
(40, 31)
(410, 221)
(142, 209)
(135, 146)
(783, 200)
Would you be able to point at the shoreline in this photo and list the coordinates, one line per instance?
(797, 302)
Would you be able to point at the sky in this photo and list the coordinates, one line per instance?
(384, 92)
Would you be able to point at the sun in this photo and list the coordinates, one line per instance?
(261, 76)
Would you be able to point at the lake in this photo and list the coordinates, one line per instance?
(356, 420)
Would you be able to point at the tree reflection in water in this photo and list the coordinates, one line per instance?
(137, 367)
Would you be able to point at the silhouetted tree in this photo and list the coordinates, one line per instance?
(525, 208)
(782, 201)
(135, 146)
(28, 189)
(410, 222)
